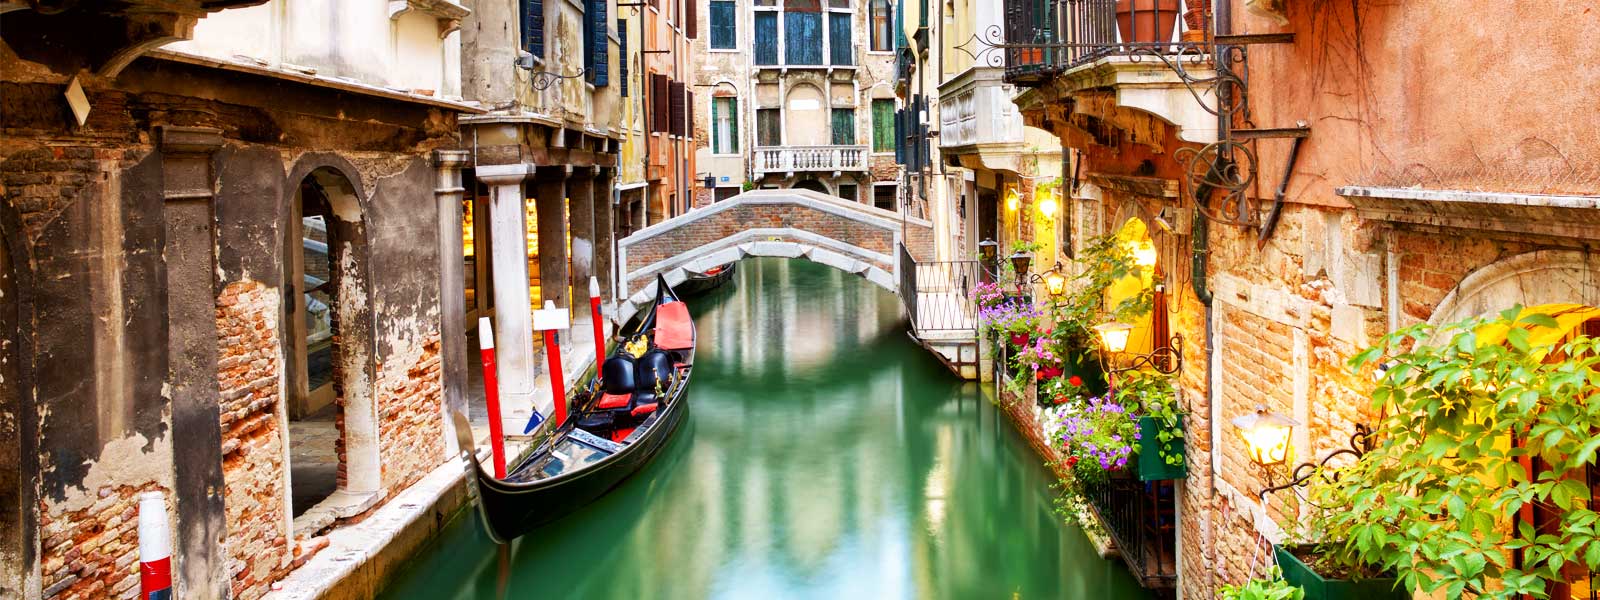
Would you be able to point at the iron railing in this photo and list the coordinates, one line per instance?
(1142, 520)
(793, 159)
(938, 294)
(1045, 37)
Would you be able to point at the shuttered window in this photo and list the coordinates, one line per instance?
(691, 26)
(688, 115)
(596, 45)
(841, 49)
(768, 127)
(724, 25)
(622, 56)
(675, 108)
(725, 125)
(766, 24)
(844, 126)
(802, 38)
(883, 125)
(659, 106)
(533, 27)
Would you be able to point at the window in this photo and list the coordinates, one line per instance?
(884, 196)
(881, 18)
(802, 37)
(622, 56)
(848, 192)
(660, 90)
(768, 128)
(840, 50)
(675, 108)
(766, 25)
(844, 126)
(724, 193)
(596, 44)
(725, 125)
(724, 25)
(882, 125)
(533, 27)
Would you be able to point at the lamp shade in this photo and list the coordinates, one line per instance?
(1266, 436)
(987, 249)
(1020, 261)
(1054, 282)
(1114, 335)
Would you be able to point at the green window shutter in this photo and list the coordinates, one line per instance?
(733, 125)
(882, 125)
(844, 126)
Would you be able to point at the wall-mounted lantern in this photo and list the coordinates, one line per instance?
(1113, 336)
(1266, 436)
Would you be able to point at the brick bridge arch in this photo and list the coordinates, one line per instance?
(792, 223)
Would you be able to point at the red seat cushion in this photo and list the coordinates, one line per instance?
(613, 400)
(674, 329)
(644, 409)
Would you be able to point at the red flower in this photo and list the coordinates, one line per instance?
(1038, 375)
(1072, 461)
(1075, 380)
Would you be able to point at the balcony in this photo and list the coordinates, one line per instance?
(1047, 37)
(788, 160)
(1141, 518)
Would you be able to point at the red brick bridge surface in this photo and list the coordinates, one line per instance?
(849, 236)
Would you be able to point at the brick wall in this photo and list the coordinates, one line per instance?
(93, 552)
(410, 418)
(248, 366)
(733, 221)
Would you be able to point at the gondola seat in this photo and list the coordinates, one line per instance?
(618, 376)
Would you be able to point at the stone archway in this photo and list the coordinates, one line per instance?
(1534, 278)
(805, 122)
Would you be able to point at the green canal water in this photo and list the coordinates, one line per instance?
(825, 456)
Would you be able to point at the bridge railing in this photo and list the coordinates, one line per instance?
(793, 159)
(937, 294)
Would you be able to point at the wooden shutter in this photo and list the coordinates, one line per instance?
(596, 44)
(840, 47)
(844, 126)
(691, 20)
(766, 25)
(802, 38)
(659, 106)
(675, 108)
(733, 124)
(533, 27)
(688, 115)
(622, 56)
(724, 25)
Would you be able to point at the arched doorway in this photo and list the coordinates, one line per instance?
(328, 345)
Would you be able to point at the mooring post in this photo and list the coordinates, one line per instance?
(491, 394)
(549, 319)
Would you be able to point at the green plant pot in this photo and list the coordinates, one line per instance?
(1319, 588)
(1151, 465)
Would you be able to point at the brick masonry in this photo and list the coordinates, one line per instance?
(93, 552)
(410, 417)
(733, 221)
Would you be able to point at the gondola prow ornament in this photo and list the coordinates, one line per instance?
(550, 319)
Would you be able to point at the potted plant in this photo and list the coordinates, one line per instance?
(1272, 588)
(1481, 422)
(1325, 577)
(1144, 21)
(1098, 434)
(1161, 441)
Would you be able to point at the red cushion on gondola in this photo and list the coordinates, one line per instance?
(621, 434)
(613, 400)
(674, 329)
(644, 409)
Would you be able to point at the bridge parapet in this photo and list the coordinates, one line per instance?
(790, 223)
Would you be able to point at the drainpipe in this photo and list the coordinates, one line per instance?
(1222, 23)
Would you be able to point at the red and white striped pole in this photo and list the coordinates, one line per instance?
(491, 393)
(155, 548)
(599, 325)
(549, 319)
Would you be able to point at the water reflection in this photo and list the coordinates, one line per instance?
(826, 456)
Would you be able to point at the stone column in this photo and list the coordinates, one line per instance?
(605, 231)
(513, 322)
(550, 197)
(191, 260)
(452, 288)
(581, 220)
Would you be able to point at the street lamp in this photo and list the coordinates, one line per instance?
(1055, 283)
(1114, 336)
(1047, 204)
(1266, 435)
(1166, 360)
(1021, 261)
(986, 258)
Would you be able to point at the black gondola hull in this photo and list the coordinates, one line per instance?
(696, 285)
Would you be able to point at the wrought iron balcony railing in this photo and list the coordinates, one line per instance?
(1142, 520)
(1041, 38)
(796, 159)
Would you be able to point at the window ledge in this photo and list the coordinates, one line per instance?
(1535, 214)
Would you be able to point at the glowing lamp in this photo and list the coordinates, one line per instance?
(1266, 436)
(1144, 254)
(1055, 283)
(1012, 200)
(1114, 335)
(1047, 205)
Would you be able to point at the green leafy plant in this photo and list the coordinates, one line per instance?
(1152, 393)
(1029, 246)
(1436, 500)
(748, 185)
(1271, 588)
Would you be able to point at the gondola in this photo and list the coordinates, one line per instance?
(713, 278)
(622, 418)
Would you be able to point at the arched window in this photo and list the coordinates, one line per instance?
(882, 16)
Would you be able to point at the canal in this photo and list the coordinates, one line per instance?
(825, 456)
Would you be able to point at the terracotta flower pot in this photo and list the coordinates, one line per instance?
(1019, 339)
(1146, 20)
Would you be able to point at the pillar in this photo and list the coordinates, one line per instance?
(581, 221)
(190, 250)
(452, 288)
(513, 322)
(605, 236)
(550, 198)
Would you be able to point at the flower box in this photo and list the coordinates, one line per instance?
(1317, 587)
(1151, 465)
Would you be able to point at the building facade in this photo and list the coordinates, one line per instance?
(208, 281)
(797, 93)
(1349, 185)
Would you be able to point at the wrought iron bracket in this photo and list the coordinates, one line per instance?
(542, 80)
(1361, 442)
(1165, 360)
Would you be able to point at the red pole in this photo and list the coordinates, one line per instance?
(155, 547)
(594, 315)
(491, 393)
(558, 392)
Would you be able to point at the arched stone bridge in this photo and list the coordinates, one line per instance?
(792, 223)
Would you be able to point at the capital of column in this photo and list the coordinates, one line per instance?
(185, 140)
(451, 159)
(504, 174)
